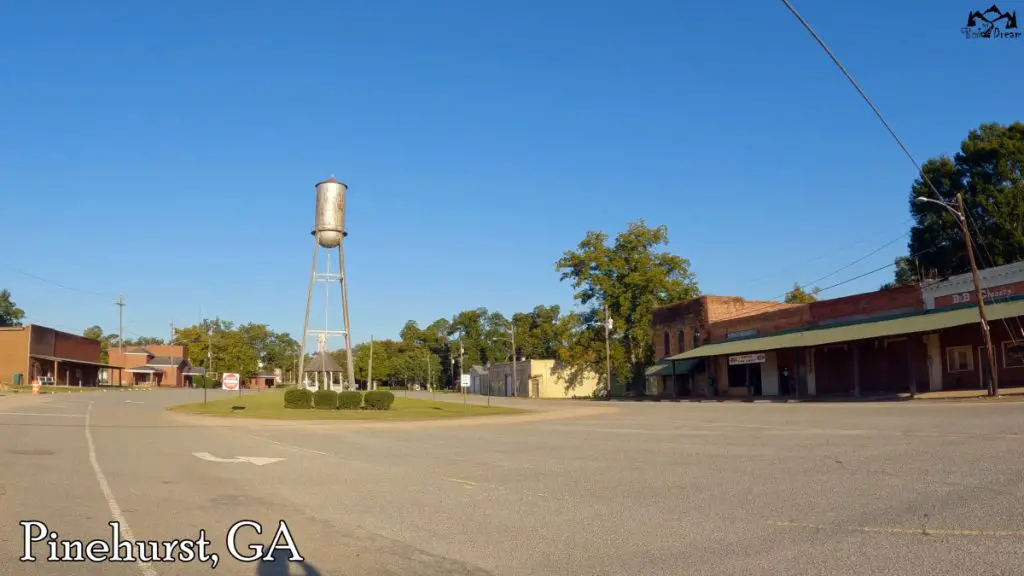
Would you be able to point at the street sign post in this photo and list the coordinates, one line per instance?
(230, 382)
(464, 382)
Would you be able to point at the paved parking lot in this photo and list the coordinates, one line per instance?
(609, 488)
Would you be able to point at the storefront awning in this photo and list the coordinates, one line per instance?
(927, 322)
(73, 360)
(665, 368)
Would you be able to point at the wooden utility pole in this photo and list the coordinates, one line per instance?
(369, 371)
(120, 322)
(608, 352)
(993, 379)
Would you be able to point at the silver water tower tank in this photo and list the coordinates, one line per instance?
(330, 212)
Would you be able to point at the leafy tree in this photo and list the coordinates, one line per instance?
(905, 274)
(631, 277)
(799, 296)
(144, 341)
(10, 314)
(96, 333)
(989, 172)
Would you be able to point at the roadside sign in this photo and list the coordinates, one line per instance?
(230, 381)
(464, 380)
(747, 359)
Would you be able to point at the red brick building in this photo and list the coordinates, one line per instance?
(151, 365)
(906, 339)
(52, 356)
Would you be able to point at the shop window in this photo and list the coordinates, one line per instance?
(696, 339)
(680, 341)
(959, 359)
(667, 349)
(1013, 354)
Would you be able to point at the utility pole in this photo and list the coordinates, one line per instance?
(209, 360)
(993, 379)
(430, 379)
(120, 323)
(608, 349)
(512, 331)
(171, 341)
(369, 371)
(961, 219)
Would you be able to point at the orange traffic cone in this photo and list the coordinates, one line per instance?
(35, 386)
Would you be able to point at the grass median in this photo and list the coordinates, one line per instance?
(270, 405)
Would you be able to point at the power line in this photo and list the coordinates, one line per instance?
(865, 97)
(60, 285)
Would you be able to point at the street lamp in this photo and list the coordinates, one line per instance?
(961, 218)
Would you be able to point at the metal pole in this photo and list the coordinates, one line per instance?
(608, 351)
(429, 375)
(512, 329)
(305, 323)
(993, 381)
(343, 277)
(369, 371)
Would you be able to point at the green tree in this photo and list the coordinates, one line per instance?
(989, 172)
(95, 332)
(10, 314)
(631, 276)
(800, 296)
(905, 274)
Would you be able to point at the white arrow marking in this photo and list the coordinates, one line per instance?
(257, 460)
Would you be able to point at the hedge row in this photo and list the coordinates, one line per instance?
(300, 398)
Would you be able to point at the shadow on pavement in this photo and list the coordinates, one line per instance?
(280, 566)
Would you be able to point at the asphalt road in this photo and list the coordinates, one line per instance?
(589, 489)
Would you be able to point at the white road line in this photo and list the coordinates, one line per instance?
(43, 414)
(299, 448)
(466, 482)
(115, 510)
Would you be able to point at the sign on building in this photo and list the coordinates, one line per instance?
(229, 381)
(464, 380)
(747, 359)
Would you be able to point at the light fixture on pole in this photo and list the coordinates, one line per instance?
(961, 218)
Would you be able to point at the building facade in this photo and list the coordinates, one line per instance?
(35, 352)
(684, 326)
(151, 365)
(904, 339)
(537, 379)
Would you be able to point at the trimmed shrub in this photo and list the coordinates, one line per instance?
(325, 400)
(298, 398)
(379, 399)
(350, 400)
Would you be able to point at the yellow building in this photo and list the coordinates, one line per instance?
(537, 379)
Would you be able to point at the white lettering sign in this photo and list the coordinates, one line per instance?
(747, 359)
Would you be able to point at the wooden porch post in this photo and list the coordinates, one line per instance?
(856, 367)
(910, 365)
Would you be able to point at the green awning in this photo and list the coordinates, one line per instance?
(665, 368)
(926, 322)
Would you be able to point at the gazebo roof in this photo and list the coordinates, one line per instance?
(322, 362)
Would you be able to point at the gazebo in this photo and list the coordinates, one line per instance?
(322, 368)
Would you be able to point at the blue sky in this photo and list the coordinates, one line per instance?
(169, 152)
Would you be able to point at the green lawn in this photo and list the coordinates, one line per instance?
(270, 405)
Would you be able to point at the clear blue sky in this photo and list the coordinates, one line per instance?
(168, 152)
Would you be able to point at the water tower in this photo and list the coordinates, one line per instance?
(328, 233)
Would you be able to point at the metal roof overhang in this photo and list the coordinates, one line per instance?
(143, 370)
(664, 368)
(86, 362)
(926, 322)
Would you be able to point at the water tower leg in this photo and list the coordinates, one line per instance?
(305, 322)
(343, 276)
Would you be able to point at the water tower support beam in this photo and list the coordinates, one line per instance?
(305, 323)
(344, 306)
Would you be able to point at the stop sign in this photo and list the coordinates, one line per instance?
(230, 382)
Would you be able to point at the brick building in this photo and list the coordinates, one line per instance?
(683, 326)
(151, 365)
(52, 356)
(903, 339)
